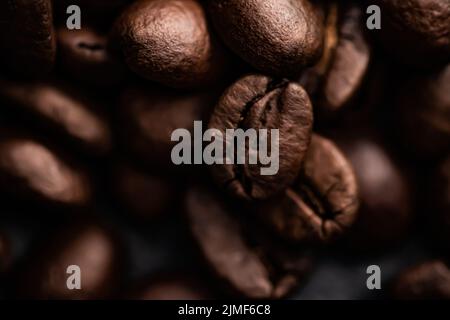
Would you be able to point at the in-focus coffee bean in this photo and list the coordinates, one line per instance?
(259, 102)
(323, 202)
(169, 41)
(277, 37)
(27, 37)
(429, 280)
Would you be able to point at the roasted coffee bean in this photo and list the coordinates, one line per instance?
(34, 171)
(335, 80)
(385, 192)
(247, 266)
(148, 117)
(277, 37)
(172, 287)
(429, 280)
(60, 109)
(169, 41)
(407, 23)
(145, 195)
(89, 246)
(85, 55)
(424, 114)
(438, 201)
(322, 204)
(259, 102)
(27, 37)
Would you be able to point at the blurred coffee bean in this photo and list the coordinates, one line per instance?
(439, 202)
(27, 37)
(89, 246)
(248, 267)
(322, 204)
(385, 193)
(85, 55)
(60, 109)
(405, 24)
(145, 195)
(169, 41)
(35, 171)
(259, 102)
(277, 37)
(337, 77)
(148, 116)
(172, 287)
(424, 114)
(429, 280)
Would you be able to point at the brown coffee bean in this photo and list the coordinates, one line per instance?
(277, 37)
(429, 280)
(89, 246)
(169, 41)
(259, 102)
(27, 37)
(34, 171)
(424, 114)
(407, 23)
(148, 117)
(85, 55)
(60, 109)
(248, 267)
(322, 204)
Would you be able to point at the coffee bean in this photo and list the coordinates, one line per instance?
(322, 204)
(148, 116)
(277, 37)
(247, 268)
(133, 188)
(385, 193)
(169, 41)
(259, 102)
(172, 287)
(34, 171)
(424, 114)
(62, 109)
(85, 55)
(429, 280)
(407, 23)
(88, 245)
(27, 37)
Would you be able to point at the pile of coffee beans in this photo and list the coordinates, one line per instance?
(251, 141)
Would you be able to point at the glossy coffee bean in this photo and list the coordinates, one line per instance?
(277, 37)
(61, 109)
(323, 202)
(250, 266)
(169, 41)
(27, 37)
(259, 102)
(145, 195)
(423, 106)
(91, 247)
(86, 56)
(407, 23)
(385, 193)
(429, 280)
(34, 171)
(148, 116)
(438, 201)
(172, 287)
